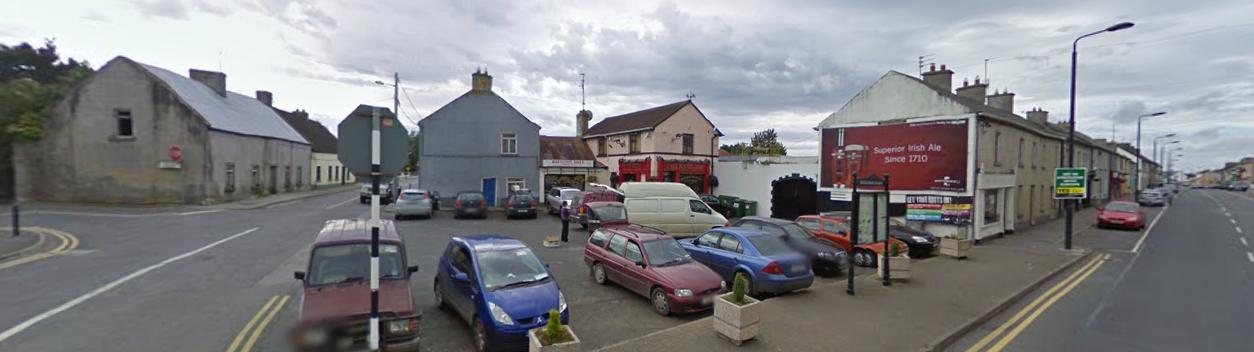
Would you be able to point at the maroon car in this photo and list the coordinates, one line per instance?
(335, 295)
(650, 263)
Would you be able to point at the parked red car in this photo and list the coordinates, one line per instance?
(1121, 214)
(652, 264)
(579, 204)
(836, 229)
(333, 315)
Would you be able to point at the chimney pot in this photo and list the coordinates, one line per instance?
(265, 97)
(481, 81)
(932, 68)
(1004, 100)
(214, 80)
(975, 92)
(942, 79)
(1038, 115)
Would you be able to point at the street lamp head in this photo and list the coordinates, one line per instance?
(1120, 26)
(380, 83)
(1160, 113)
(1169, 135)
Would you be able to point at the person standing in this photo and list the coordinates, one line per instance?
(565, 221)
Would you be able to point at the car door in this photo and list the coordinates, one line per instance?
(634, 277)
(728, 255)
(461, 295)
(701, 217)
(702, 246)
(839, 234)
(676, 219)
(616, 263)
(644, 212)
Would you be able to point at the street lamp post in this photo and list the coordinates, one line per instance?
(1071, 125)
(1169, 135)
(396, 91)
(1158, 156)
(1136, 183)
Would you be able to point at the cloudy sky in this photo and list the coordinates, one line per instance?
(751, 64)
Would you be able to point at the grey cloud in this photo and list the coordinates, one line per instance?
(159, 8)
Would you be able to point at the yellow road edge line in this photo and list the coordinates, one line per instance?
(1028, 321)
(1010, 322)
(248, 327)
(252, 340)
(68, 243)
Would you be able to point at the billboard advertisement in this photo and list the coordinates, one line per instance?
(921, 156)
(939, 209)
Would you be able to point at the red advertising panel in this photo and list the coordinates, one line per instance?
(920, 156)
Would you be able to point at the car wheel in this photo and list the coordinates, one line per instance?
(439, 296)
(598, 273)
(870, 258)
(481, 337)
(857, 258)
(660, 306)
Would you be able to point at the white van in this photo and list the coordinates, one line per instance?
(669, 206)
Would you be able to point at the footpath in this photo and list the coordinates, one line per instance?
(945, 298)
(258, 203)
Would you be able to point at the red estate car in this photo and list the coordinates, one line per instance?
(836, 229)
(650, 263)
(333, 316)
(1121, 214)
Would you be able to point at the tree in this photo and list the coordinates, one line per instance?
(767, 143)
(412, 166)
(741, 148)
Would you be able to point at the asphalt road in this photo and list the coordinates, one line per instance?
(1186, 287)
(159, 279)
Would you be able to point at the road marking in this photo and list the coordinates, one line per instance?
(1002, 328)
(249, 327)
(1028, 321)
(1239, 229)
(1149, 228)
(1226, 213)
(1234, 221)
(1244, 243)
(344, 202)
(68, 243)
(284, 204)
(252, 340)
(102, 289)
(199, 212)
(1250, 255)
(114, 215)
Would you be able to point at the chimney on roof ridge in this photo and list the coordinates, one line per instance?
(265, 97)
(1038, 116)
(974, 92)
(581, 123)
(1004, 100)
(214, 80)
(940, 79)
(480, 81)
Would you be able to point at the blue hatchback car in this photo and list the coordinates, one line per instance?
(772, 267)
(498, 286)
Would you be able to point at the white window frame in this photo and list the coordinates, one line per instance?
(511, 181)
(509, 143)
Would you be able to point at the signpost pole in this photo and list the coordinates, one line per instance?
(375, 171)
(853, 234)
(887, 248)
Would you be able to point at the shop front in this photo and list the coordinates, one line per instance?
(571, 173)
(694, 173)
(635, 170)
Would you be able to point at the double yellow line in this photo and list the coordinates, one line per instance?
(1038, 306)
(68, 243)
(257, 325)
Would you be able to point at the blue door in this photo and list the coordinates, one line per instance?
(489, 191)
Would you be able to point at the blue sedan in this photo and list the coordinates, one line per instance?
(771, 266)
(498, 286)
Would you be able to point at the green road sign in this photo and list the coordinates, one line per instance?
(354, 141)
(1071, 183)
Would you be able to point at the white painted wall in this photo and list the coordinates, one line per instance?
(752, 179)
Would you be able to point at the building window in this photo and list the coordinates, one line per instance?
(509, 143)
(991, 213)
(1020, 152)
(515, 183)
(300, 176)
(1033, 157)
(997, 149)
(601, 146)
(687, 137)
(633, 140)
(318, 174)
(256, 176)
(126, 127)
(287, 177)
(230, 178)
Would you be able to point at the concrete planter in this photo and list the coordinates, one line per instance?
(533, 344)
(955, 248)
(900, 267)
(737, 323)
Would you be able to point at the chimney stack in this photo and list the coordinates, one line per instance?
(1038, 116)
(581, 123)
(975, 92)
(481, 81)
(214, 80)
(1004, 100)
(265, 97)
(941, 79)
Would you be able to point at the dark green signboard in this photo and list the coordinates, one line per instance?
(1071, 183)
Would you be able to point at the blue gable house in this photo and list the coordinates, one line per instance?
(478, 142)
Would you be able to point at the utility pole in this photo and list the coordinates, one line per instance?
(396, 91)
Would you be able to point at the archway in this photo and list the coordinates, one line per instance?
(793, 196)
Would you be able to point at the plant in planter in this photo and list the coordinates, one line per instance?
(952, 246)
(553, 336)
(736, 315)
(899, 265)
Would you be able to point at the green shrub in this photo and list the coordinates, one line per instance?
(553, 331)
(738, 289)
(894, 249)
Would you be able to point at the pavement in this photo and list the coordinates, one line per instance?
(14, 246)
(1181, 285)
(943, 298)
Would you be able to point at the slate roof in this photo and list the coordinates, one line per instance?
(234, 113)
(565, 148)
(639, 120)
(476, 103)
(320, 138)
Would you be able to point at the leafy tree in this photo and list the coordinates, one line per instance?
(741, 148)
(767, 142)
(412, 166)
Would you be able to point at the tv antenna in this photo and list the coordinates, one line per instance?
(583, 95)
(690, 95)
(923, 61)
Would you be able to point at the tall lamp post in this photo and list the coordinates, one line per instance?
(1136, 183)
(1071, 125)
(396, 91)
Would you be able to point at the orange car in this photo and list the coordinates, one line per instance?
(836, 229)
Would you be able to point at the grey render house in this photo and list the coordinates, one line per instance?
(478, 142)
(113, 140)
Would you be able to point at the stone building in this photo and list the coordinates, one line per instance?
(136, 133)
(478, 142)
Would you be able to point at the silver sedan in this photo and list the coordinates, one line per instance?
(413, 202)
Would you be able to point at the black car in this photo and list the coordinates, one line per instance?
(470, 204)
(826, 257)
(520, 205)
(921, 243)
(712, 201)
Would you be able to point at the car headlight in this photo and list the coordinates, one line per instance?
(827, 255)
(402, 327)
(683, 292)
(313, 337)
(722, 285)
(920, 239)
(499, 315)
(561, 302)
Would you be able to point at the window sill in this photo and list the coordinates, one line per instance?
(116, 138)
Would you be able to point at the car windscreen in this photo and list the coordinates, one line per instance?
(769, 245)
(510, 267)
(1121, 208)
(350, 262)
(666, 252)
(796, 231)
(470, 197)
(610, 212)
(522, 198)
(568, 194)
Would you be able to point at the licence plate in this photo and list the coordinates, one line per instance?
(1116, 221)
(796, 268)
(707, 299)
